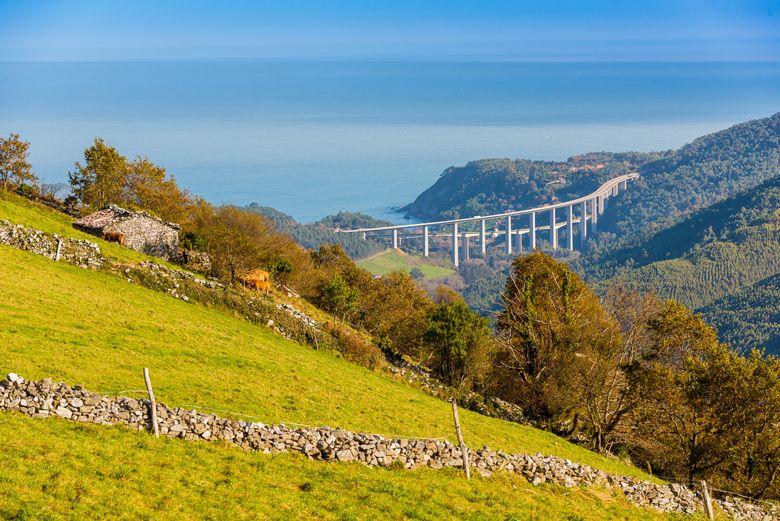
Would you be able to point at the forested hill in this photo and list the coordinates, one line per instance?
(716, 252)
(673, 184)
(697, 175)
(497, 185)
(313, 235)
(750, 317)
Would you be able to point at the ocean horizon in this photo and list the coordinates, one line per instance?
(311, 138)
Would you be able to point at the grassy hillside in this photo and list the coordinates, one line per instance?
(20, 210)
(749, 318)
(61, 470)
(98, 330)
(390, 261)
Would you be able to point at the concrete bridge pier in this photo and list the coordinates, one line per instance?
(602, 203)
(533, 231)
(395, 238)
(455, 260)
(509, 235)
(364, 235)
(570, 228)
(553, 231)
(519, 242)
(425, 241)
(482, 238)
(583, 223)
(594, 214)
(466, 253)
(624, 185)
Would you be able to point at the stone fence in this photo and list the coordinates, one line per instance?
(85, 254)
(45, 398)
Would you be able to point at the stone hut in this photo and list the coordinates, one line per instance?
(139, 231)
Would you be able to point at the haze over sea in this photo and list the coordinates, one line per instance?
(314, 137)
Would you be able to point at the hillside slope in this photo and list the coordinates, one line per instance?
(98, 330)
(749, 318)
(672, 184)
(712, 253)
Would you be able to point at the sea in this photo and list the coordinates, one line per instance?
(311, 138)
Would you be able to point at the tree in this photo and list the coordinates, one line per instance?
(553, 334)
(673, 427)
(103, 178)
(339, 297)
(15, 168)
(460, 342)
(150, 188)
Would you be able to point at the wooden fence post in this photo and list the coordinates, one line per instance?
(59, 250)
(152, 402)
(463, 449)
(707, 500)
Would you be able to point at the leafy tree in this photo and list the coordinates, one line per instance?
(151, 189)
(15, 168)
(338, 297)
(706, 411)
(103, 177)
(553, 333)
(460, 342)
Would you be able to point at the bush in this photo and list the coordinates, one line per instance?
(354, 347)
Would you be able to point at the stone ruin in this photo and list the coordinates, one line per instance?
(140, 231)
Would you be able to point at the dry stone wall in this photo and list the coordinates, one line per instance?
(85, 254)
(46, 398)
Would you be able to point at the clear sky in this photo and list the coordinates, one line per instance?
(391, 29)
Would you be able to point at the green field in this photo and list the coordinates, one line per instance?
(389, 261)
(95, 329)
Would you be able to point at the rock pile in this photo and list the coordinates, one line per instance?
(84, 254)
(46, 398)
(299, 315)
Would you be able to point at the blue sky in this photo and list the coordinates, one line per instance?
(566, 30)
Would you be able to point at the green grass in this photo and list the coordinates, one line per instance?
(91, 328)
(53, 469)
(390, 261)
(96, 329)
(19, 210)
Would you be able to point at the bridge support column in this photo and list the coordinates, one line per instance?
(583, 223)
(482, 238)
(395, 238)
(553, 231)
(533, 231)
(425, 241)
(570, 228)
(616, 189)
(602, 203)
(594, 214)
(509, 235)
(364, 235)
(519, 242)
(455, 260)
(624, 185)
(466, 252)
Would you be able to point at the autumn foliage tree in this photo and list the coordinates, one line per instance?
(15, 168)
(553, 334)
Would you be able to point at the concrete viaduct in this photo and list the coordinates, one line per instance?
(575, 214)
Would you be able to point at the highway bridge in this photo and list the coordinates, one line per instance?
(518, 229)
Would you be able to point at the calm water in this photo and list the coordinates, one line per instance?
(311, 138)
